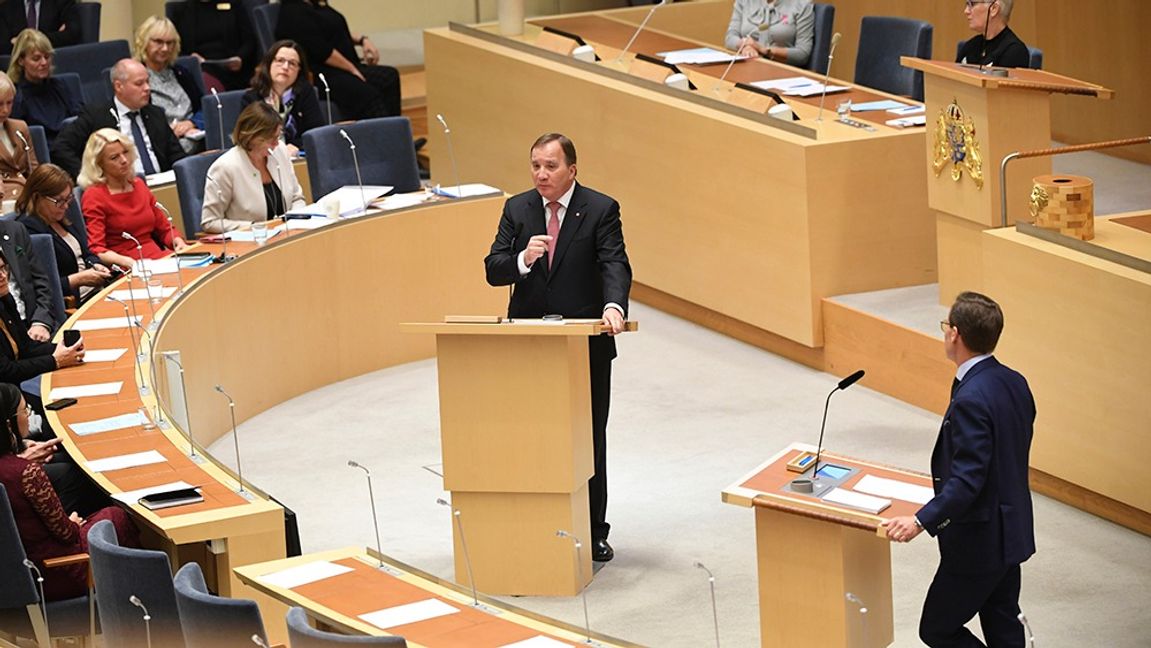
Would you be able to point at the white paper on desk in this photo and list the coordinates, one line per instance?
(107, 424)
(103, 323)
(246, 236)
(121, 462)
(908, 110)
(907, 122)
(315, 222)
(167, 265)
(304, 574)
(882, 104)
(81, 391)
(782, 85)
(409, 613)
(814, 89)
(140, 294)
(163, 177)
(350, 197)
(399, 201)
(132, 497)
(895, 489)
(538, 641)
(856, 500)
(103, 355)
(467, 190)
(698, 56)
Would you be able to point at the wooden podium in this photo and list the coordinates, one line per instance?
(515, 424)
(992, 116)
(812, 553)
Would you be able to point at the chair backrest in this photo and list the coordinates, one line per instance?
(264, 19)
(385, 150)
(121, 573)
(89, 21)
(882, 40)
(191, 175)
(17, 589)
(89, 60)
(212, 621)
(45, 255)
(220, 117)
(1035, 55)
(302, 635)
(192, 64)
(171, 7)
(39, 143)
(821, 45)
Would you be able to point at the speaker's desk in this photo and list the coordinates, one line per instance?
(723, 208)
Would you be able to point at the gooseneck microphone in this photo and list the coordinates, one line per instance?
(827, 75)
(172, 356)
(372, 499)
(1026, 626)
(172, 224)
(223, 258)
(143, 273)
(714, 613)
(356, 163)
(31, 566)
(843, 384)
(577, 546)
(464, 543)
(27, 157)
(619, 59)
(220, 113)
(451, 154)
(135, 600)
(280, 173)
(986, 27)
(236, 441)
(327, 95)
(133, 321)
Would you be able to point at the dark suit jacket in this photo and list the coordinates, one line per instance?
(590, 270)
(68, 149)
(53, 14)
(981, 511)
(27, 273)
(65, 258)
(32, 359)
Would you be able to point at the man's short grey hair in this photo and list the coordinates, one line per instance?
(120, 70)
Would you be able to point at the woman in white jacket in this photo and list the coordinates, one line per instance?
(254, 180)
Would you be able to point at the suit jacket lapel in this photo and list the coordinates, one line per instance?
(573, 219)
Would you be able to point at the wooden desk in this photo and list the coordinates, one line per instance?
(726, 209)
(338, 601)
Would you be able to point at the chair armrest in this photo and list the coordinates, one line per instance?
(64, 561)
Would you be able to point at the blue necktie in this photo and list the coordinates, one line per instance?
(141, 144)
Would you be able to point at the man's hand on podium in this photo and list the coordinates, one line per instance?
(613, 319)
(902, 529)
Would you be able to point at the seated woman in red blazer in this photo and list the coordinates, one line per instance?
(116, 201)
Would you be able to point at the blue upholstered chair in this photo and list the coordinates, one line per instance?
(20, 612)
(264, 19)
(39, 143)
(45, 257)
(191, 175)
(882, 40)
(89, 60)
(1035, 61)
(89, 21)
(211, 621)
(302, 635)
(231, 103)
(121, 573)
(192, 64)
(384, 147)
(824, 28)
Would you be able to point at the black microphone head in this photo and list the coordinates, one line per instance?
(851, 380)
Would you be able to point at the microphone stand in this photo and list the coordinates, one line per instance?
(135, 600)
(464, 543)
(223, 258)
(579, 565)
(372, 499)
(356, 163)
(327, 96)
(714, 614)
(862, 613)
(827, 75)
(452, 154)
(171, 356)
(143, 276)
(132, 322)
(172, 224)
(27, 158)
(236, 441)
(619, 59)
(220, 112)
(843, 384)
(280, 173)
(43, 602)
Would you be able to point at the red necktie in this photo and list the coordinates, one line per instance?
(553, 231)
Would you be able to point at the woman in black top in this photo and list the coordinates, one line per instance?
(1001, 48)
(40, 98)
(215, 30)
(281, 81)
(361, 90)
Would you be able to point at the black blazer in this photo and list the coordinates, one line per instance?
(982, 511)
(29, 275)
(591, 267)
(35, 358)
(65, 258)
(304, 113)
(53, 14)
(68, 149)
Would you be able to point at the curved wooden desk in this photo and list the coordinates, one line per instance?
(305, 311)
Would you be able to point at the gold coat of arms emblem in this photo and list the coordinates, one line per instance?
(955, 144)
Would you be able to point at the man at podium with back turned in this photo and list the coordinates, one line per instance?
(561, 246)
(981, 512)
(994, 42)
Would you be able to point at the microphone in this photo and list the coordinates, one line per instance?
(1022, 619)
(220, 113)
(173, 356)
(327, 96)
(619, 59)
(862, 613)
(714, 614)
(135, 600)
(40, 583)
(223, 258)
(464, 543)
(172, 224)
(827, 75)
(133, 321)
(356, 163)
(115, 116)
(843, 384)
(143, 273)
(27, 158)
(986, 26)
(372, 499)
(236, 442)
(280, 173)
(577, 545)
(452, 154)
(256, 639)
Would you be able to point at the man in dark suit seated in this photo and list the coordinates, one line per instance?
(981, 511)
(131, 113)
(57, 19)
(561, 245)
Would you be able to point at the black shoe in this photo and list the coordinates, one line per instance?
(601, 551)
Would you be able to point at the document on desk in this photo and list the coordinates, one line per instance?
(409, 613)
(895, 489)
(467, 190)
(82, 391)
(102, 323)
(350, 198)
(108, 424)
(907, 122)
(883, 104)
(538, 641)
(798, 87)
(167, 265)
(698, 56)
(121, 462)
(161, 178)
(140, 294)
(304, 574)
(102, 355)
(855, 500)
(315, 222)
(133, 496)
(246, 236)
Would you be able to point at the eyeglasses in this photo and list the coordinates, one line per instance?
(160, 42)
(291, 64)
(970, 4)
(61, 202)
(945, 326)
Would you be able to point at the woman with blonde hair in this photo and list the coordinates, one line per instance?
(174, 89)
(41, 99)
(17, 159)
(117, 201)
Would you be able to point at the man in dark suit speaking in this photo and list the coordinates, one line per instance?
(981, 511)
(561, 246)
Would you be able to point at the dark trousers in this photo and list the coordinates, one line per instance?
(954, 599)
(599, 359)
(377, 96)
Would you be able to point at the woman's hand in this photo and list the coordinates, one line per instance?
(68, 356)
(39, 332)
(179, 244)
(76, 519)
(39, 451)
(89, 277)
(371, 54)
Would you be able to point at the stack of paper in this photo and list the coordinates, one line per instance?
(466, 190)
(351, 200)
(798, 87)
(699, 56)
(856, 500)
(894, 489)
